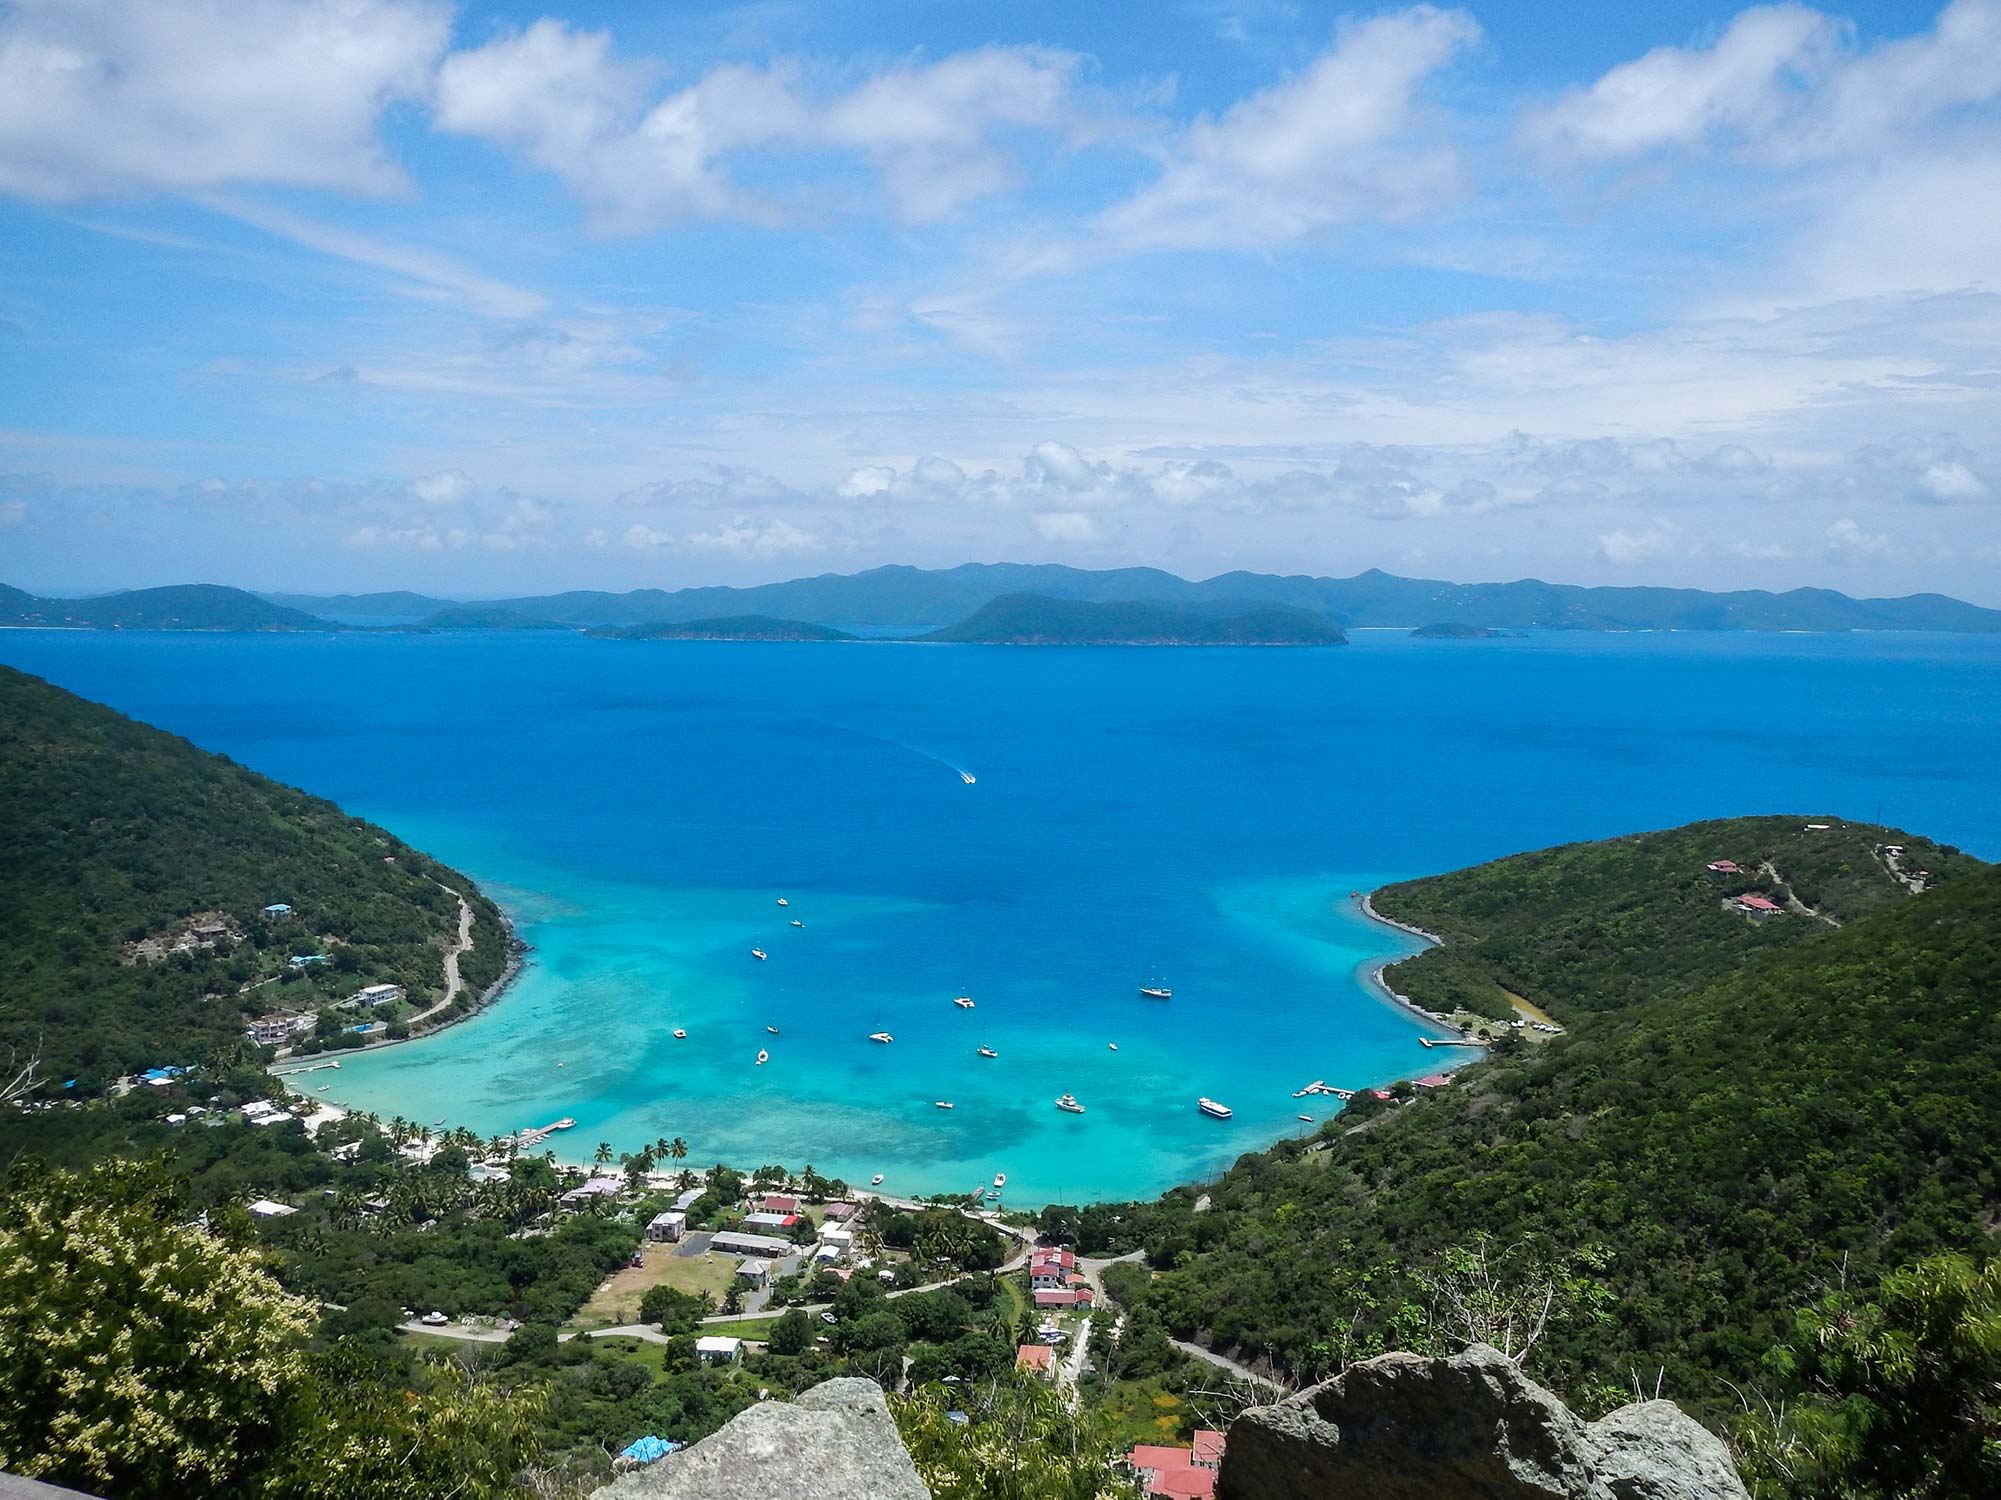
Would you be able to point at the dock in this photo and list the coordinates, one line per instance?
(1462, 1041)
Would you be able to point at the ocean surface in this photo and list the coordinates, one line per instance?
(1202, 814)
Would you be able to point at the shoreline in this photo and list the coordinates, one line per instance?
(1367, 907)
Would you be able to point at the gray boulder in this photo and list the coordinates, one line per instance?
(835, 1442)
(1472, 1427)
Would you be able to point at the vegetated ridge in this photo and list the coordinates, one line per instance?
(733, 628)
(1454, 630)
(1740, 1116)
(184, 606)
(1036, 620)
(486, 617)
(901, 598)
(115, 837)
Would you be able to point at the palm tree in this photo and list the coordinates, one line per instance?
(678, 1150)
(604, 1153)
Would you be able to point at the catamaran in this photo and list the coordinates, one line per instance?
(967, 777)
(964, 1002)
(880, 1036)
(1212, 1109)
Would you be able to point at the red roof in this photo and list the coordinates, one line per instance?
(779, 1206)
(1034, 1356)
(1758, 903)
(1382, 1093)
(1050, 1297)
(1051, 1257)
(1158, 1457)
(1723, 866)
(1434, 1081)
(1208, 1447)
(1185, 1484)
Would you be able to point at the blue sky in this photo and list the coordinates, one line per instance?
(331, 294)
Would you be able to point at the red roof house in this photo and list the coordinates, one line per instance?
(1723, 867)
(1037, 1357)
(779, 1206)
(1758, 906)
(1208, 1449)
(1433, 1081)
(1173, 1472)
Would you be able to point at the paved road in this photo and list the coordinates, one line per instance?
(1222, 1362)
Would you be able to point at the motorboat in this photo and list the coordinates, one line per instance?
(783, 902)
(1000, 1179)
(941, 1104)
(565, 1123)
(967, 777)
(772, 1029)
(1113, 1045)
(797, 923)
(1069, 1105)
(1213, 1110)
(759, 953)
(881, 1036)
(875, 1181)
(1308, 1119)
(1156, 992)
(680, 1035)
(763, 1057)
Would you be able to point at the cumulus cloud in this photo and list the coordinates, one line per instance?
(723, 486)
(1065, 526)
(1345, 139)
(1846, 541)
(446, 487)
(747, 538)
(563, 100)
(1783, 83)
(1629, 545)
(108, 96)
(1930, 468)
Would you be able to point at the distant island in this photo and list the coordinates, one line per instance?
(1036, 620)
(910, 601)
(1453, 630)
(734, 628)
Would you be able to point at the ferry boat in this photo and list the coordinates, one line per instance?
(964, 1002)
(875, 1181)
(941, 1104)
(680, 1035)
(881, 1036)
(1000, 1179)
(758, 953)
(1069, 1105)
(1212, 1109)
(763, 1057)
(986, 1051)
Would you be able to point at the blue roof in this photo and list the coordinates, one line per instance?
(151, 1073)
(645, 1450)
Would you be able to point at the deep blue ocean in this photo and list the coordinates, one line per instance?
(640, 807)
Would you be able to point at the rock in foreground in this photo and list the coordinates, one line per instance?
(1472, 1427)
(835, 1442)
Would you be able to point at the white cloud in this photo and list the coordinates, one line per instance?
(1065, 526)
(747, 538)
(1781, 83)
(725, 487)
(1345, 139)
(115, 96)
(1931, 468)
(1630, 545)
(404, 539)
(642, 538)
(446, 487)
(1846, 541)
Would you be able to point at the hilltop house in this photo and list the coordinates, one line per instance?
(278, 1028)
(1180, 1473)
(1039, 1358)
(1722, 869)
(277, 911)
(1757, 907)
(379, 994)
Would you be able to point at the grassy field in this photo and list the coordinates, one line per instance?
(617, 1298)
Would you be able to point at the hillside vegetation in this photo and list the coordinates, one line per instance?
(1035, 620)
(1706, 1156)
(1600, 926)
(734, 628)
(113, 833)
(184, 606)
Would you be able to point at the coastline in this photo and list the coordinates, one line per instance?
(1377, 975)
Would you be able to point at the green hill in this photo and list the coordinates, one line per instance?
(1036, 620)
(486, 617)
(1804, 1112)
(732, 628)
(185, 606)
(116, 837)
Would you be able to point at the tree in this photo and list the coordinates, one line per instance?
(138, 1353)
(603, 1153)
(1508, 1298)
(1903, 1393)
(675, 1311)
(677, 1149)
(1021, 1442)
(791, 1334)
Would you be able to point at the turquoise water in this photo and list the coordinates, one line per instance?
(640, 809)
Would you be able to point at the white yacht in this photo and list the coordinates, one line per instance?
(763, 1057)
(1212, 1109)
(1069, 1105)
(759, 954)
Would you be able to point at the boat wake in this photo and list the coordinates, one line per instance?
(909, 749)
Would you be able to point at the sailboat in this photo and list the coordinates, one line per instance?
(1152, 989)
(983, 1049)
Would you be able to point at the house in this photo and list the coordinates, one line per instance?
(730, 1242)
(264, 1208)
(1757, 907)
(1048, 1255)
(777, 1205)
(301, 960)
(756, 1271)
(1433, 1081)
(667, 1227)
(771, 1223)
(263, 1112)
(714, 1349)
(1039, 1358)
(1722, 869)
(278, 1028)
(597, 1187)
(210, 932)
(277, 911)
(1081, 1296)
(838, 1240)
(1179, 1473)
(379, 994)
(838, 1213)
(1047, 1277)
(689, 1199)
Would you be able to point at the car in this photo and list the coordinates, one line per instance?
(434, 1319)
(828, 1318)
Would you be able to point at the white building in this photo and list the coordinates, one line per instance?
(756, 1272)
(714, 1349)
(264, 1208)
(379, 994)
(668, 1226)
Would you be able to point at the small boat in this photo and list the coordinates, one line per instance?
(1156, 992)
(1000, 1179)
(680, 1035)
(992, 1196)
(1212, 1109)
(941, 1104)
(964, 1002)
(323, 1088)
(880, 1036)
(986, 1052)
(758, 953)
(783, 902)
(763, 1057)
(1307, 1118)
(439, 1121)
(967, 777)
(797, 923)
(1113, 1045)
(772, 1029)
(875, 1181)
(1069, 1105)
